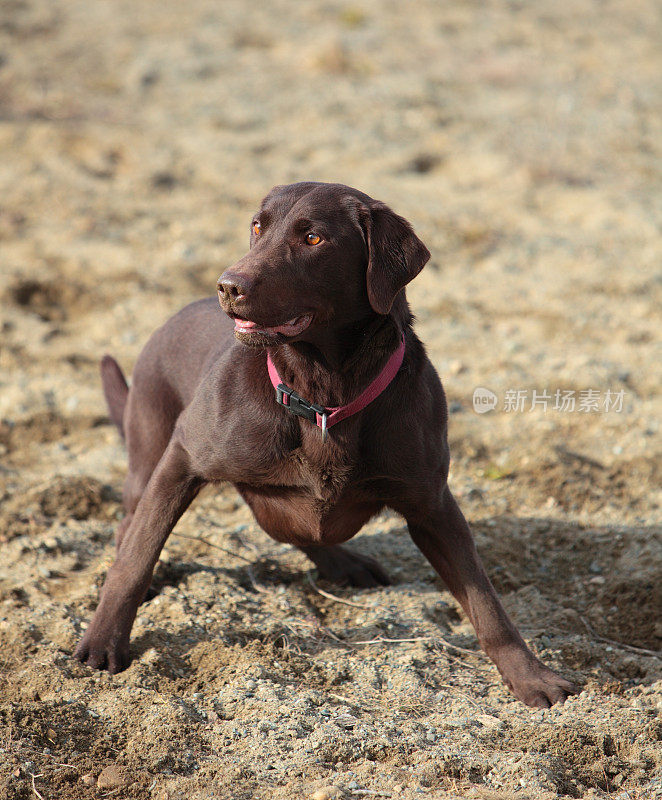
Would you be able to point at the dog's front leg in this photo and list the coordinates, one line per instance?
(169, 492)
(443, 536)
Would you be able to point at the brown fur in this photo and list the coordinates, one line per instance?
(201, 408)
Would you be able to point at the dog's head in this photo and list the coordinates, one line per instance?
(321, 256)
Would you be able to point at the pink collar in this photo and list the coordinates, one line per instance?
(326, 417)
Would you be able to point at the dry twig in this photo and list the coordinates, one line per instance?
(34, 788)
(212, 544)
(337, 599)
(380, 639)
(630, 647)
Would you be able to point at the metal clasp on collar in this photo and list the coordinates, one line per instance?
(295, 404)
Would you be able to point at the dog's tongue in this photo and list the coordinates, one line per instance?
(290, 328)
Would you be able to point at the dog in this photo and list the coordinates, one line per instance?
(314, 397)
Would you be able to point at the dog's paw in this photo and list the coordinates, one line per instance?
(101, 650)
(535, 684)
(347, 568)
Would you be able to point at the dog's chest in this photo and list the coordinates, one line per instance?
(308, 499)
(323, 477)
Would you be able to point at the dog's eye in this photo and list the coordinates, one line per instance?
(313, 238)
(257, 228)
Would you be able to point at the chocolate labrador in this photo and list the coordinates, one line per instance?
(313, 396)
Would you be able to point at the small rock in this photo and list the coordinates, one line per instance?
(111, 777)
(88, 780)
(326, 793)
(488, 720)
(457, 367)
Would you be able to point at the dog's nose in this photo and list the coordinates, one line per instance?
(232, 286)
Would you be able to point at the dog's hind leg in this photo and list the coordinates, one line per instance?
(342, 566)
(151, 414)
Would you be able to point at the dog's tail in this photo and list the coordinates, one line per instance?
(115, 389)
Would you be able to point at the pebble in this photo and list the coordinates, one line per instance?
(326, 793)
(88, 780)
(345, 720)
(111, 777)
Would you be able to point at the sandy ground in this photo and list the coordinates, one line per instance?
(523, 141)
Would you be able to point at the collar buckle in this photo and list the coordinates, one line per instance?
(296, 404)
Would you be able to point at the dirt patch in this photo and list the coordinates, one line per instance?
(49, 301)
(63, 498)
(43, 427)
(579, 484)
(79, 498)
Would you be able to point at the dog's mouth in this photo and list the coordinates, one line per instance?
(293, 327)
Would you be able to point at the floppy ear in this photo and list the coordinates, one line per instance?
(395, 255)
